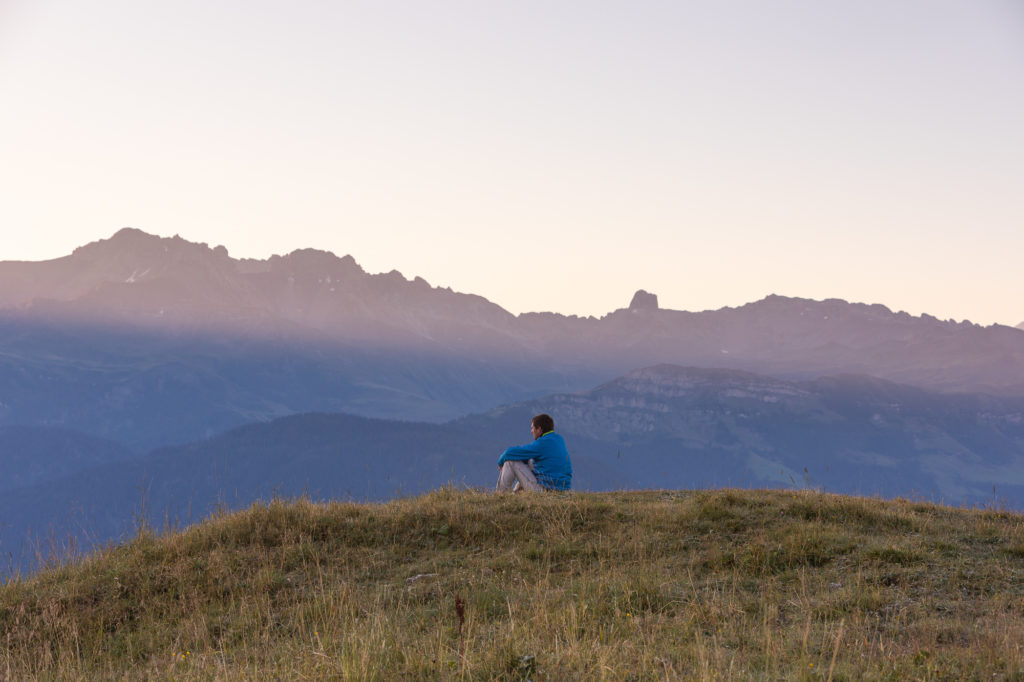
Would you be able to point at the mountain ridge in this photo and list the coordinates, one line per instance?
(209, 342)
(127, 257)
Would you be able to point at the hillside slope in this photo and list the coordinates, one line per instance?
(32, 455)
(457, 585)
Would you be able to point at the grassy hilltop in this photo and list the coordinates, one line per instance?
(721, 584)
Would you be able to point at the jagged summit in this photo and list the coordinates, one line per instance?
(776, 301)
(838, 308)
(131, 239)
(140, 280)
(127, 239)
(316, 260)
(131, 233)
(133, 242)
(643, 300)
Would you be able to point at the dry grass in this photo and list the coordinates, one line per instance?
(620, 586)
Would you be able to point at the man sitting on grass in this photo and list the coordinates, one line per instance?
(541, 465)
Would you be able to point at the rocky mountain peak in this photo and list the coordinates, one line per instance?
(643, 300)
(317, 261)
(127, 239)
(132, 234)
(133, 247)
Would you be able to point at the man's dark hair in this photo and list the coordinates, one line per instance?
(543, 422)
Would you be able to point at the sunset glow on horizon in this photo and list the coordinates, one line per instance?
(545, 156)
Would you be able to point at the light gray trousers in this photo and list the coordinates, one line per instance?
(516, 475)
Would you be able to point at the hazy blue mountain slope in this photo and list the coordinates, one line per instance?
(680, 427)
(148, 389)
(660, 427)
(325, 456)
(31, 455)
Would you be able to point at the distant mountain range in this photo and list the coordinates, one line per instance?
(661, 427)
(143, 377)
(150, 341)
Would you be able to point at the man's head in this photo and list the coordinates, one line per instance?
(541, 424)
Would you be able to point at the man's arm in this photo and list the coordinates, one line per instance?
(520, 453)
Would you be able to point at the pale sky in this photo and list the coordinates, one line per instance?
(547, 155)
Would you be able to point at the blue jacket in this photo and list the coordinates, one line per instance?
(550, 458)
